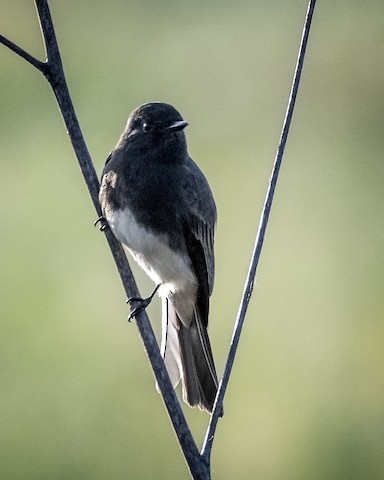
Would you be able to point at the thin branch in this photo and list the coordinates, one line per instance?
(53, 71)
(57, 80)
(22, 53)
(207, 447)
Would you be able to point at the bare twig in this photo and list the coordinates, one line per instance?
(207, 447)
(22, 53)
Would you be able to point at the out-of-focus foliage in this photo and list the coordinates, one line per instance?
(306, 397)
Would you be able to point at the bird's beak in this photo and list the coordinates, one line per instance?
(179, 125)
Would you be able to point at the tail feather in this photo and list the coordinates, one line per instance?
(199, 375)
(188, 357)
(170, 347)
(193, 356)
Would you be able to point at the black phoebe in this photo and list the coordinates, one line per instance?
(159, 205)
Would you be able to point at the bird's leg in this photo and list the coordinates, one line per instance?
(103, 223)
(143, 303)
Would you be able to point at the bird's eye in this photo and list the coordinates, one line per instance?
(147, 127)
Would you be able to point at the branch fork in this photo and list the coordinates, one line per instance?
(52, 69)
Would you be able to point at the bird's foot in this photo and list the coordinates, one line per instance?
(142, 303)
(103, 223)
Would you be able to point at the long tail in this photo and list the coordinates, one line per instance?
(188, 356)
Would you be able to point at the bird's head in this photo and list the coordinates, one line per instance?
(156, 126)
(155, 119)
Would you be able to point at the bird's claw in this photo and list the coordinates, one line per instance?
(143, 304)
(103, 223)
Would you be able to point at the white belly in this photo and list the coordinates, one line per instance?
(161, 263)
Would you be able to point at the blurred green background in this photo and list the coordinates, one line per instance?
(306, 398)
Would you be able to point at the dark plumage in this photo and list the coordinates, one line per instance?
(159, 204)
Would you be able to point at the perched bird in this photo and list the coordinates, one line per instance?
(159, 205)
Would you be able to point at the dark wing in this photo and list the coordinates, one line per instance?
(199, 218)
(199, 225)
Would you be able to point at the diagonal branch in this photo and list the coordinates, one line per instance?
(22, 53)
(53, 71)
(208, 442)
